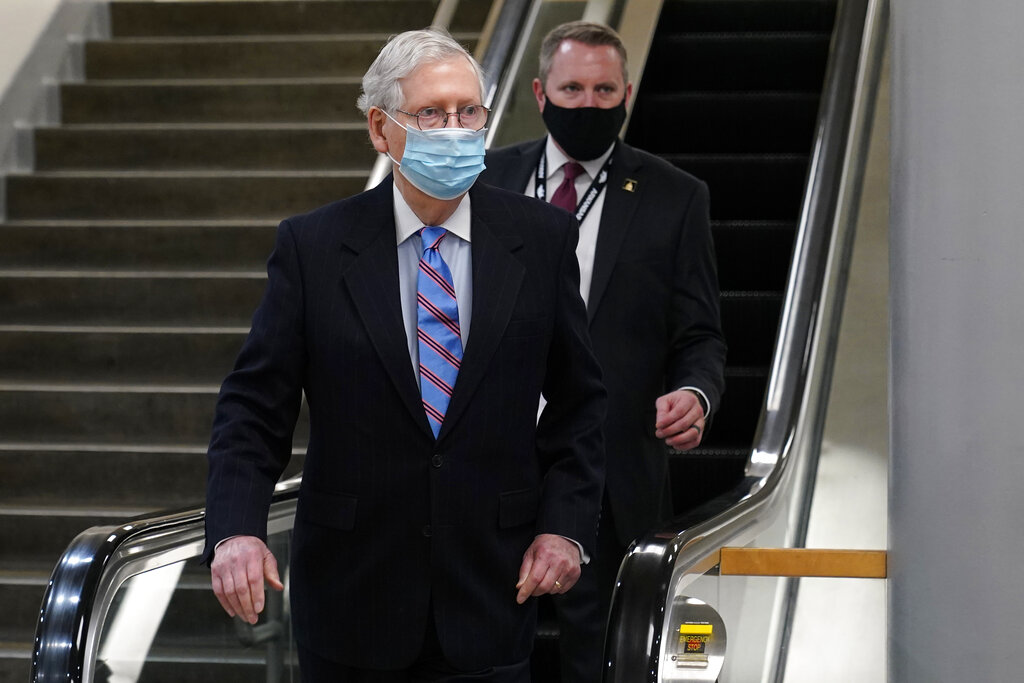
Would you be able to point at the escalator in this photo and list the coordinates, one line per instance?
(775, 198)
(730, 94)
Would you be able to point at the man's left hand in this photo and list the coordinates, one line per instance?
(550, 565)
(679, 420)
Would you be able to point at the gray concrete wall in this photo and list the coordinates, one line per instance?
(956, 542)
(21, 23)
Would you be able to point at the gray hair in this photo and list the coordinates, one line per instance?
(586, 32)
(402, 55)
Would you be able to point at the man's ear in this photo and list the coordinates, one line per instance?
(375, 120)
(629, 92)
(538, 92)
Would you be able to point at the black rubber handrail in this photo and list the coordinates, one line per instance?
(808, 333)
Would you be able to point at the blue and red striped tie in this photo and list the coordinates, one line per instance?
(437, 317)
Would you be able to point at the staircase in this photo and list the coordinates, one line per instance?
(730, 93)
(133, 256)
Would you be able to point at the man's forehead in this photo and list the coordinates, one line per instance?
(573, 57)
(442, 78)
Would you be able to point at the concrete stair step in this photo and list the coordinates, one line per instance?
(138, 245)
(204, 147)
(104, 415)
(170, 196)
(186, 355)
(142, 18)
(38, 536)
(98, 298)
(139, 477)
(273, 56)
(310, 100)
(16, 659)
(21, 594)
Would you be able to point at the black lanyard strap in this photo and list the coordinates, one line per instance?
(592, 193)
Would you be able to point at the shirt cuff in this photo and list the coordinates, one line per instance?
(584, 558)
(705, 404)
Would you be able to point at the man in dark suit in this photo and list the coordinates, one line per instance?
(648, 276)
(433, 506)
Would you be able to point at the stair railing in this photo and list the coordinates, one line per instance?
(771, 504)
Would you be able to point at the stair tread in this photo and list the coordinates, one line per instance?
(191, 174)
(375, 37)
(210, 83)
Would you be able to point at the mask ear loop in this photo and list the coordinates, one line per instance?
(406, 129)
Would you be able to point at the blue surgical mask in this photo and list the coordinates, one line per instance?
(443, 162)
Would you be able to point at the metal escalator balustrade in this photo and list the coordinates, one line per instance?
(678, 562)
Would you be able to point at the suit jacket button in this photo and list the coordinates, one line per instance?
(426, 531)
(437, 460)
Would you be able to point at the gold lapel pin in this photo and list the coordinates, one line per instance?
(629, 185)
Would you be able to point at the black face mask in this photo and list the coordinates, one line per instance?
(584, 133)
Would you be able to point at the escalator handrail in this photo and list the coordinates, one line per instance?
(91, 569)
(689, 545)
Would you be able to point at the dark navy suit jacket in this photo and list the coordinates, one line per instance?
(653, 310)
(388, 520)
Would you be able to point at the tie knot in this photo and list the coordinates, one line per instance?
(432, 236)
(571, 170)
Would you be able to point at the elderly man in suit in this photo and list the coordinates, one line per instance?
(648, 277)
(422, 320)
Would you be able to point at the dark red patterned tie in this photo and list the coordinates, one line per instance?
(565, 195)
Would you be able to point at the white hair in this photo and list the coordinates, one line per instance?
(402, 55)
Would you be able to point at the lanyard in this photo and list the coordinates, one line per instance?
(583, 208)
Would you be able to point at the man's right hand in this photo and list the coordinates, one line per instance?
(239, 566)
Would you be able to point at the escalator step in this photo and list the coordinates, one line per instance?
(751, 254)
(737, 61)
(735, 420)
(735, 122)
(747, 15)
(750, 322)
(749, 187)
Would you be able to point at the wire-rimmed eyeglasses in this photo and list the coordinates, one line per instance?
(472, 116)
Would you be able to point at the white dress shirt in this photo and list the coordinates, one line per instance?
(586, 248)
(456, 252)
(587, 245)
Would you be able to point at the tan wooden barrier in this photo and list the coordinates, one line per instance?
(856, 564)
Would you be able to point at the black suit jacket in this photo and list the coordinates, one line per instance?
(653, 311)
(389, 520)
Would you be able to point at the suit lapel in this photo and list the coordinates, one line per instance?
(619, 207)
(371, 276)
(522, 170)
(497, 277)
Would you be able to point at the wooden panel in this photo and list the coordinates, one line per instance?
(862, 564)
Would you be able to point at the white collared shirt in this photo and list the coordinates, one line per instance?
(587, 245)
(456, 252)
(586, 248)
